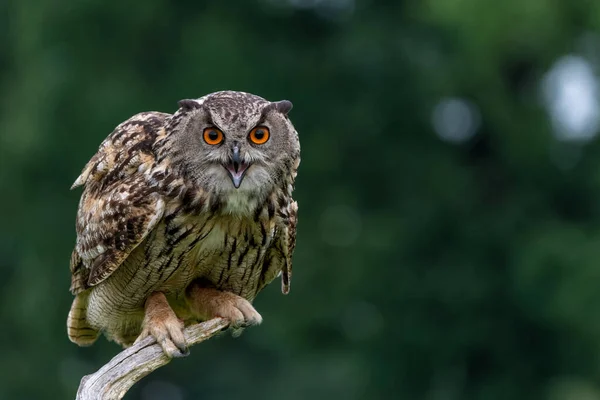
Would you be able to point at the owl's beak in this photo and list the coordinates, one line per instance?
(236, 167)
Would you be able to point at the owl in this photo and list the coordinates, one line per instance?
(183, 218)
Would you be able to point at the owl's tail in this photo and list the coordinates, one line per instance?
(79, 330)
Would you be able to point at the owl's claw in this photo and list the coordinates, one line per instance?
(238, 311)
(161, 323)
(169, 336)
(210, 303)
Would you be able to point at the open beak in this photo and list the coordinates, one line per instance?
(236, 168)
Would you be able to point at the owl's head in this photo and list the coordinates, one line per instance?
(235, 145)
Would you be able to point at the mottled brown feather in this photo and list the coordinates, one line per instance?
(79, 274)
(119, 205)
(289, 244)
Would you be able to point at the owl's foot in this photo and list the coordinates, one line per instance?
(161, 322)
(207, 303)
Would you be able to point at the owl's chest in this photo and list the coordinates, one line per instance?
(226, 252)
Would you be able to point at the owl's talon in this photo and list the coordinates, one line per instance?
(181, 344)
(184, 352)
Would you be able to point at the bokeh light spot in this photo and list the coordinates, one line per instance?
(455, 120)
(570, 91)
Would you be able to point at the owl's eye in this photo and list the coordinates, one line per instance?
(259, 135)
(213, 136)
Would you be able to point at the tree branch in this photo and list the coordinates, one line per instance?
(113, 380)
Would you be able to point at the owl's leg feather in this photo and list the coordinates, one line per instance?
(161, 322)
(78, 328)
(207, 303)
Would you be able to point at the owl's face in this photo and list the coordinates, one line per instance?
(236, 145)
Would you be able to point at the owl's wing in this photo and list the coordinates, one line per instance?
(119, 205)
(285, 243)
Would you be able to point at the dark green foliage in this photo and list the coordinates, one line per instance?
(424, 269)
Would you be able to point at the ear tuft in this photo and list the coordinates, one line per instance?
(188, 104)
(284, 106)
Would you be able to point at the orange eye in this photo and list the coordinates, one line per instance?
(259, 135)
(213, 136)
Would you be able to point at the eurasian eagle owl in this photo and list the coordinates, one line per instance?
(183, 218)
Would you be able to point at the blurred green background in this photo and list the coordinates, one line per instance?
(449, 191)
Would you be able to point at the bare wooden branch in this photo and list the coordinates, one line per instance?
(113, 380)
